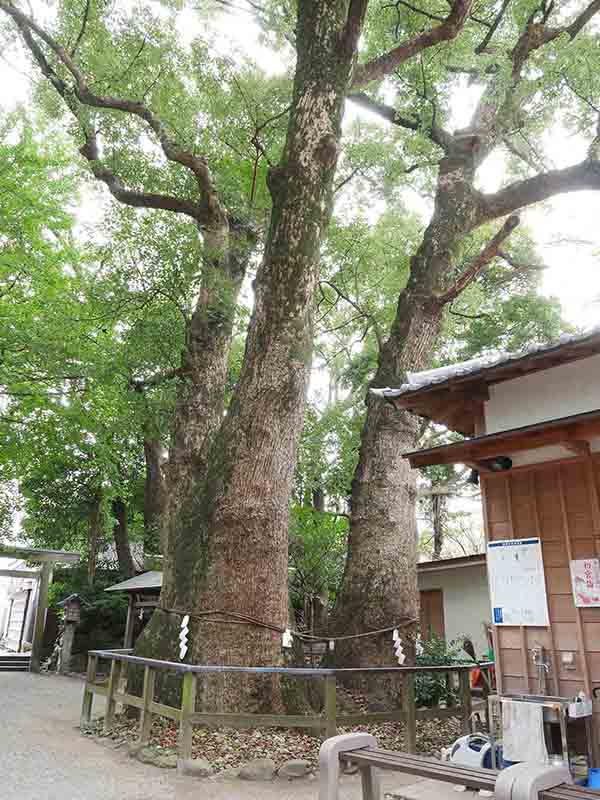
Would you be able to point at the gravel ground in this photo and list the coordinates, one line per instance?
(43, 756)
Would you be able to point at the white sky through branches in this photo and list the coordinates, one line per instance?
(565, 229)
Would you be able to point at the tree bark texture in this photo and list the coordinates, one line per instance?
(230, 552)
(94, 537)
(121, 538)
(439, 520)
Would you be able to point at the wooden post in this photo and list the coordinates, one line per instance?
(147, 697)
(410, 711)
(449, 690)
(128, 640)
(88, 695)
(113, 685)
(330, 706)
(40, 616)
(464, 677)
(188, 707)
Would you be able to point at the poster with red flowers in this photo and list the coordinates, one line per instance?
(585, 579)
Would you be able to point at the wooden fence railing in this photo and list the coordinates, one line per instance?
(326, 723)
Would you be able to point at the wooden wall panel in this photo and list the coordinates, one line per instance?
(558, 579)
(560, 502)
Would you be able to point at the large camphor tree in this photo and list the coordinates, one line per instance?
(534, 65)
(231, 477)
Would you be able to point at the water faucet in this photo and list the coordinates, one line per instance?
(543, 667)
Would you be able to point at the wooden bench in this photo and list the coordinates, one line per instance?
(519, 782)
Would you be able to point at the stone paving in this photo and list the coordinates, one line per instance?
(44, 757)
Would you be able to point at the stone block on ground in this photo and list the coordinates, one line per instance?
(146, 755)
(261, 769)
(229, 774)
(295, 768)
(167, 760)
(194, 767)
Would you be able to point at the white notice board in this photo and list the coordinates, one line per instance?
(517, 585)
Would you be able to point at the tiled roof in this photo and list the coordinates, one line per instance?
(480, 365)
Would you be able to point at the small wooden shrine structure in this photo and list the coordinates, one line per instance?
(531, 422)
(143, 592)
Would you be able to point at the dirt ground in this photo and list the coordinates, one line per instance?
(44, 757)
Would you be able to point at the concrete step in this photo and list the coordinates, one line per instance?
(15, 662)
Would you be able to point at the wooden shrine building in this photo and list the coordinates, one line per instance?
(531, 423)
(143, 593)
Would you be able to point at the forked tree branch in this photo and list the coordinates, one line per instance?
(538, 34)
(385, 64)
(478, 264)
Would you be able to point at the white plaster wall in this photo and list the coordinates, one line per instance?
(466, 601)
(549, 394)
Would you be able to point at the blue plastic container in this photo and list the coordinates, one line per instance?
(594, 779)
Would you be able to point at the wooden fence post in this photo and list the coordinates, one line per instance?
(113, 686)
(464, 678)
(147, 697)
(188, 707)
(330, 706)
(88, 696)
(410, 711)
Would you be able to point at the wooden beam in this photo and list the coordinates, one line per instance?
(577, 446)
(20, 573)
(41, 556)
(506, 444)
(128, 640)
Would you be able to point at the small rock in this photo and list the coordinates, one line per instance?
(167, 761)
(296, 768)
(194, 767)
(146, 755)
(229, 774)
(133, 748)
(261, 769)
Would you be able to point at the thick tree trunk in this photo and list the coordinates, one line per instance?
(379, 588)
(439, 518)
(230, 551)
(121, 538)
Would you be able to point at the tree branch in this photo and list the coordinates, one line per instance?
(577, 178)
(356, 307)
(437, 134)
(385, 64)
(81, 34)
(493, 28)
(537, 34)
(354, 24)
(478, 264)
(173, 151)
(138, 384)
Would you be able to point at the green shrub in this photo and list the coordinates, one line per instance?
(432, 688)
